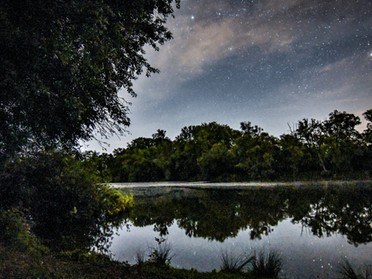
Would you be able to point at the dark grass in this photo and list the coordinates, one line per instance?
(161, 254)
(267, 265)
(235, 264)
(347, 271)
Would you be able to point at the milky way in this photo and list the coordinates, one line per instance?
(268, 62)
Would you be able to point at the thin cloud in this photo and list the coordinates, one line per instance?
(268, 61)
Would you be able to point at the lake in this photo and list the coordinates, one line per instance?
(313, 226)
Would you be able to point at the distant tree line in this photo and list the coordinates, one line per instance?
(332, 149)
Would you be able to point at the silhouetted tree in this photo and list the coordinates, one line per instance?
(291, 155)
(342, 139)
(62, 65)
(63, 62)
(368, 132)
(311, 133)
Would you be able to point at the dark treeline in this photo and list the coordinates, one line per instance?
(332, 148)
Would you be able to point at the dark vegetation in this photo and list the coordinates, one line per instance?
(329, 149)
(347, 271)
(62, 64)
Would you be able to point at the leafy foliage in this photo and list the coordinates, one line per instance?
(66, 208)
(333, 148)
(15, 232)
(63, 63)
(62, 66)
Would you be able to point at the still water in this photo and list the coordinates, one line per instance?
(313, 226)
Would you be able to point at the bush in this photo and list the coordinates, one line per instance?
(68, 209)
(15, 231)
(235, 264)
(161, 254)
(267, 265)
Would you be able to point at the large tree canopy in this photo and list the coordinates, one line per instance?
(63, 62)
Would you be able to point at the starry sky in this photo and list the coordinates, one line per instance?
(271, 62)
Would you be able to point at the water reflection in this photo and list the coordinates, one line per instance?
(217, 214)
(314, 226)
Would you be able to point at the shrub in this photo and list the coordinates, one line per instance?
(15, 231)
(267, 265)
(161, 254)
(69, 210)
(235, 264)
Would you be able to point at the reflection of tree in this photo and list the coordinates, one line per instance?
(219, 214)
(347, 211)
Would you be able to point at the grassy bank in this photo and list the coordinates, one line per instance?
(23, 263)
(23, 256)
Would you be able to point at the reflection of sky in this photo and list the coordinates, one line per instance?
(269, 62)
(305, 255)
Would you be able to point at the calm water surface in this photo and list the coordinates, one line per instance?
(314, 227)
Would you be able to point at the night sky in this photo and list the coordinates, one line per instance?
(270, 62)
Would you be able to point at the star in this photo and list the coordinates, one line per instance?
(274, 62)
